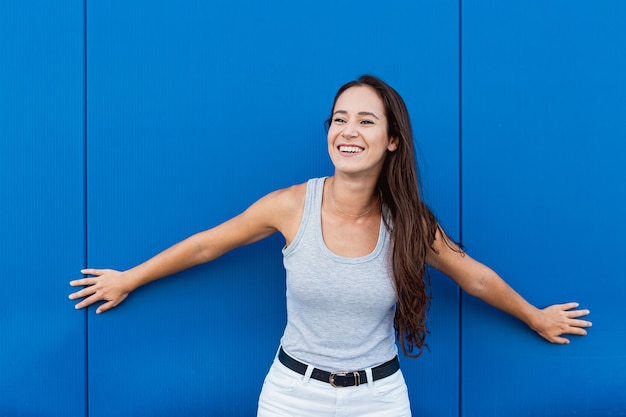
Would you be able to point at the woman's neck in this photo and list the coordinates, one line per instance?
(353, 198)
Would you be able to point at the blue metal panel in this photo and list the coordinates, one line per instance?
(431, 90)
(195, 110)
(543, 196)
(42, 350)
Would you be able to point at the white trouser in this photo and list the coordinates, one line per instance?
(289, 394)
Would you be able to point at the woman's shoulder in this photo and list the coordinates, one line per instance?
(294, 195)
(290, 195)
(287, 207)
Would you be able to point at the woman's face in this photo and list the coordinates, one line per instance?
(357, 137)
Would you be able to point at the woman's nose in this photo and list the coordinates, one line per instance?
(349, 130)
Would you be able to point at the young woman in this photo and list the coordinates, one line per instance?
(356, 248)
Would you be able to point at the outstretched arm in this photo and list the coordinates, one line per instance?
(482, 282)
(260, 220)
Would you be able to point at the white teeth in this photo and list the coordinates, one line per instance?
(350, 149)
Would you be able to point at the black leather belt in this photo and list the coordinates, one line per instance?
(344, 378)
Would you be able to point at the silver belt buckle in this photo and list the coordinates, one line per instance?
(356, 375)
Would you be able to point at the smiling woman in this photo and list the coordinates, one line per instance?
(358, 138)
(356, 247)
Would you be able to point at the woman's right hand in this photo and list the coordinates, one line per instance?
(105, 285)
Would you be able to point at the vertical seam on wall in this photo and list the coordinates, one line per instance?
(460, 375)
(85, 201)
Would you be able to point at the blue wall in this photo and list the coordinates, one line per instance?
(42, 212)
(544, 143)
(125, 126)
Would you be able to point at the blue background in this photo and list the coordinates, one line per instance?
(126, 126)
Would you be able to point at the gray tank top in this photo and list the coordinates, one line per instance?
(339, 310)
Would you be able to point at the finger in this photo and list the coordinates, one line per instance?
(577, 313)
(568, 306)
(83, 282)
(559, 340)
(105, 307)
(91, 271)
(90, 290)
(88, 301)
(580, 323)
(578, 331)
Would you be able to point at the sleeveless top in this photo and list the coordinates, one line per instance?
(340, 310)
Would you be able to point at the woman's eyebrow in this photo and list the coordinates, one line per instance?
(361, 113)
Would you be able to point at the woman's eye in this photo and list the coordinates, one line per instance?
(367, 122)
(338, 120)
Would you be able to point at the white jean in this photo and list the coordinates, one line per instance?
(289, 394)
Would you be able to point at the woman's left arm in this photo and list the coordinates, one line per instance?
(481, 281)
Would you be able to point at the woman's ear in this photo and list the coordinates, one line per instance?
(393, 145)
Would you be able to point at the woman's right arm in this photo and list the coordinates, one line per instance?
(268, 215)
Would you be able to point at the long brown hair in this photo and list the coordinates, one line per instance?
(412, 225)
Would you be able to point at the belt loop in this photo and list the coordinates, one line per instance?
(307, 375)
(370, 378)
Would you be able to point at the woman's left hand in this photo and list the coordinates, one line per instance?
(559, 319)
